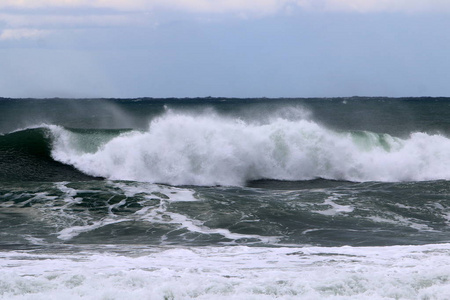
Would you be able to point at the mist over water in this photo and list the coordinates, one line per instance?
(74, 113)
(398, 117)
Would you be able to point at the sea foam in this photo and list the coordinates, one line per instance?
(396, 272)
(208, 149)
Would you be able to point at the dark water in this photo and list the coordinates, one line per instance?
(210, 172)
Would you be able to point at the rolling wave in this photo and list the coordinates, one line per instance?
(207, 149)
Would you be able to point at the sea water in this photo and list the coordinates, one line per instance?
(212, 198)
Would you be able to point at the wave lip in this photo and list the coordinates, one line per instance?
(182, 149)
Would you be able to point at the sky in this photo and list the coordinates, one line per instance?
(224, 48)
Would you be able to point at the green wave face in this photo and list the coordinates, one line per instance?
(368, 141)
(90, 140)
(32, 142)
(25, 155)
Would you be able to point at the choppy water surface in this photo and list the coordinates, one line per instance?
(225, 198)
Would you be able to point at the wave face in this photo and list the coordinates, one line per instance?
(25, 155)
(181, 148)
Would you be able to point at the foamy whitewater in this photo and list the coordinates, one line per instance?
(419, 272)
(225, 198)
(210, 150)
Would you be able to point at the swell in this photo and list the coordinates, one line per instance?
(209, 149)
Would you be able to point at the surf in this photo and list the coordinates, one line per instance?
(209, 149)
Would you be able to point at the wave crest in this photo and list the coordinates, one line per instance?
(207, 149)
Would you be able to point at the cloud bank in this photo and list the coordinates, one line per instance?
(32, 19)
(246, 6)
(370, 6)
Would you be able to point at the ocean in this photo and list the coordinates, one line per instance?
(219, 198)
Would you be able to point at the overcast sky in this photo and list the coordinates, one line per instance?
(224, 48)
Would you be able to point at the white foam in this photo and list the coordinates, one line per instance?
(173, 194)
(397, 272)
(70, 222)
(160, 213)
(333, 207)
(182, 149)
(73, 231)
(402, 221)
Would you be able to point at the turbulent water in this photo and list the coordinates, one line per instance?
(211, 198)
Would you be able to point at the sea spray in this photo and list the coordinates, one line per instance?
(205, 149)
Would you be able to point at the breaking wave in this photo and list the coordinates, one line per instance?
(208, 149)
